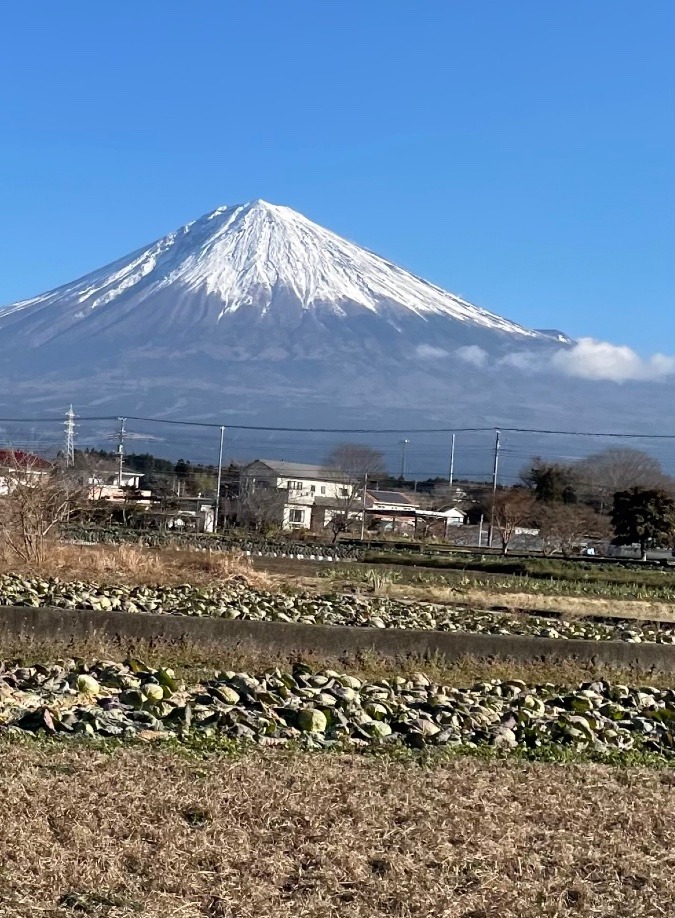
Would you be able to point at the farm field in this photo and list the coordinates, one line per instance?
(548, 585)
(148, 831)
(242, 594)
(151, 778)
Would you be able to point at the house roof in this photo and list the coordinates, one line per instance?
(327, 503)
(298, 470)
(391, 497)
(18, 459)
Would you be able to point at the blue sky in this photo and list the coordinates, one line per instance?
(519, 154)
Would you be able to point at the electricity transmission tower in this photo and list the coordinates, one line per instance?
(69, 446)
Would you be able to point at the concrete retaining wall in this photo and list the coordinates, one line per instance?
(68, 625)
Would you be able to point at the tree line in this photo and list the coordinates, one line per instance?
(620, 494)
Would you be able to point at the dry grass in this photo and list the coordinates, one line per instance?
(195, 661)
(572, 606)
(566, 606)
(148, 832)
(132, 564)
(137, 564)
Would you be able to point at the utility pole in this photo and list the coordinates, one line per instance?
(451, 473)
(363, 508)
(220, 479)
(120, 449)
(69, 448)
(404, 443)
(495, 471)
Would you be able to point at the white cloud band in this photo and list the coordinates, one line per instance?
(591, 359)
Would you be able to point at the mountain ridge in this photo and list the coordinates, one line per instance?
(256, 255)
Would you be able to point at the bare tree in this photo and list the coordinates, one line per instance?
(350, 465)
(509, 510)
(353, 461)
(562, 527)
(602, 474)
(37, 498)
(261, 506)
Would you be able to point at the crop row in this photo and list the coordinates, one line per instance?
(237, 600)
(327, 708)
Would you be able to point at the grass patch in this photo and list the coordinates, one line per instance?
(536, 568)
(138, 565)
(541, 577)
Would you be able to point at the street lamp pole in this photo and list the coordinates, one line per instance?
(495, 474)
(404, 444)
(220, 479)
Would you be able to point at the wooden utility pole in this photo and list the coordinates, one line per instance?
(363, 508)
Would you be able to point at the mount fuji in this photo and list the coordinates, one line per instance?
(254, 313)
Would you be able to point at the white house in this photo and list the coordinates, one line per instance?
(390, 502)
(395, 510)
(391, 511)
(453, 516)
(113, 487)
(19, 467)
(287, 492)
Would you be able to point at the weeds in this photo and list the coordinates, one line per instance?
(544, 580)
(381, 579)
(138, 565)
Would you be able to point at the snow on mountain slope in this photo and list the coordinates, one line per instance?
(255, 255)
(255, 313)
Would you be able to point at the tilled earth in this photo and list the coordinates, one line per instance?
(331, 710)
(236, 599)
(147, 832)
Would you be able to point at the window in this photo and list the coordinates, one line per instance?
(323, 489)
(312, 488)
(295, 486)
(295, 516)
(344, 492)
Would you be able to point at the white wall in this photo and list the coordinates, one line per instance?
(321, 488)
(305, 513)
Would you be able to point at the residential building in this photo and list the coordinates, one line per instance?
(17, 466)
(398, 511)
(452, 515)
(114, 487)
(391, 511)
(293, 495)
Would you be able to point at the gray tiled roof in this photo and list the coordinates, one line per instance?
(391, 497)
(300, 470)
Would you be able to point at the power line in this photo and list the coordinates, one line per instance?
(356, 430)
(403, 430)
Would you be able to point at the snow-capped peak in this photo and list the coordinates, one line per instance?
(261, 256)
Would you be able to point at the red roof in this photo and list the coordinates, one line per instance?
(17, 458)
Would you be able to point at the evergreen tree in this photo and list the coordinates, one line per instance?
(644, 516)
